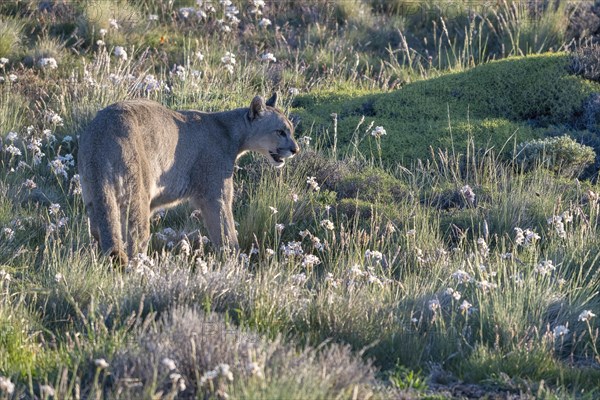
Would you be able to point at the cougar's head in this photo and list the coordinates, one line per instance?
(271, 133)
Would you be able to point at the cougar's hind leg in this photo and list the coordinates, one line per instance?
(105, 224)
(136, 224)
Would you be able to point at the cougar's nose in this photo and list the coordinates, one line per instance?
(295, 149)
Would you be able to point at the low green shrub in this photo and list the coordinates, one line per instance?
(373, 185)
(562, 155)
(492, 105)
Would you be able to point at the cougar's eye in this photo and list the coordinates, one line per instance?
(282, 133)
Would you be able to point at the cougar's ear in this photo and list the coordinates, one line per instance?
(257, 107)
(272, 102)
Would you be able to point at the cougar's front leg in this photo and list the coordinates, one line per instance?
(216, 208)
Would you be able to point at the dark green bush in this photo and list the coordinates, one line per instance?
(372, 185)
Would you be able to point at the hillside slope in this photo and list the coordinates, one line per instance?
(528, 97)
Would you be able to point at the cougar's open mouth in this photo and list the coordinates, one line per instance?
(276, 157)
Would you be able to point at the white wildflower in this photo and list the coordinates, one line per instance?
(101, 363)
(461, 276)
(586, 315)
(560, 331)
(279, 227)
(419, 254)
(378, 132)
(374, 255)
(102, 32)
(62, 222)
(202, 266)
(264, 22)
(185, 12)
(12, 150)
(434, 305)
(231, 10)
(545, 267)
(316, 242)
(327, 224)
(268, 57)
(468, 193)
(48, 62)
(114, 24)
(228, 58)
(208, 376)
(58, 167)
(305, 140)
(169, 363)
(54, 118)
(121, 53)
(13, 78)
(292, 249)
(3, 61)
(465, 306)
(152, 17)
(273, 210)
(50, 138)
(35, 146)
(12, 136)
(310, 260)
(312, 182)
(54, 209)
(455, 294)
(8, 234)
(330, 280)
(525, 237)
(6, 386)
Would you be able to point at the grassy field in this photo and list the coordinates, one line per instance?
(437, 237)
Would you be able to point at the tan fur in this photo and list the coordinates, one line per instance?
(137, 156)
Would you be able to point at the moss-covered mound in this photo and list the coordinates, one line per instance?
(527, 97)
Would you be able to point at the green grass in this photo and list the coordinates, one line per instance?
(379, 315)
(494, 105)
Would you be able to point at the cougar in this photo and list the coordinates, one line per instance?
(137, 156)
